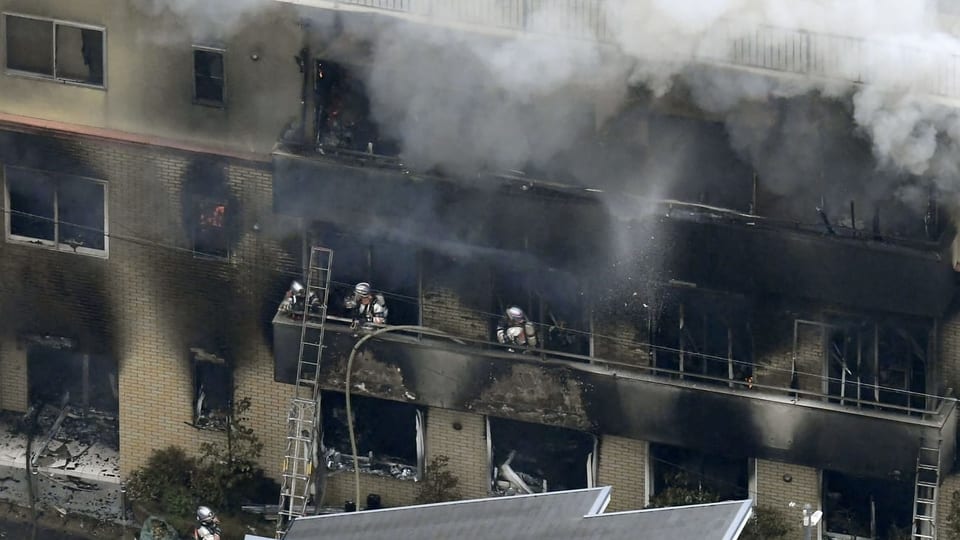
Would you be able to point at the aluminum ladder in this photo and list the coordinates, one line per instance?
(926, 490)
(304, 421)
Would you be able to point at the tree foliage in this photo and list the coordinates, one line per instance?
(438, 484)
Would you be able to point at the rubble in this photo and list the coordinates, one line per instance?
(337, 461)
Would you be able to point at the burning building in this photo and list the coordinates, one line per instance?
(738, 266)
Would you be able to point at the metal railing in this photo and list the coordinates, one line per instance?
(911, 403)
(783, 50)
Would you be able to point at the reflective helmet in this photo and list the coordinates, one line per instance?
(296, 287)
(515, 314)
(362, 289)
(204, 514)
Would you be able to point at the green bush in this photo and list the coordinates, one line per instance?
(438, 484)
(224, 476)
(766, 523)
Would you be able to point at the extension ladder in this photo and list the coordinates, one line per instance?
(304, 427)
(926, 490)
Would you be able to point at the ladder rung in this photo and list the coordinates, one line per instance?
(927, 484)
(926, 501)
(923, 517)
(923, 536)
(927, 467)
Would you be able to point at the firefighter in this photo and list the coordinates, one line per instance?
(366, 307)
(516, 330)
(208, 526)
(296, 297)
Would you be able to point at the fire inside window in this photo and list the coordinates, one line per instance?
(210, 235)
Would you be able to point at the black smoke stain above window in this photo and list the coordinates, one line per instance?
(209, 208)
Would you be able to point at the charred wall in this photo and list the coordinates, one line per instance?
(154, 295)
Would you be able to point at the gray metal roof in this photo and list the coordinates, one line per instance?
(561, 515)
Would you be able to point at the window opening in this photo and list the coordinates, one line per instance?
(876, 361)
(342, 115)
(865, 508)
(88, 380)
(63, 51)
(212, 390)
(390, 269)
(389, 434)
(702, 336)
(553, 300)
(61, 211)
(210, 233)
(208, 76)
(687, 476)
(534, 458)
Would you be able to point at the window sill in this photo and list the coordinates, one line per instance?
(51, 78)
(50, 246)
(210, 104)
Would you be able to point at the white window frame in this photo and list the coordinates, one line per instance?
(193, 80)
(55, 243)
(55, 23)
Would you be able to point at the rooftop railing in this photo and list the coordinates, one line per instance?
(817, 55)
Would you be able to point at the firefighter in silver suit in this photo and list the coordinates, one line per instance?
(516, 330)
(366, 307)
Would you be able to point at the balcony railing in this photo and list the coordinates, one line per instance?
(767, 48)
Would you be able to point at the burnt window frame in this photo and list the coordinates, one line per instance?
(200, 203)
(591, 464)
(724, 489)
(55, 244)
(357, 404)
(53, 76)
(221, 415)
(203, 101)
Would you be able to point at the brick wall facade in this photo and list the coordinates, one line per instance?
(152, 299)
(446, 307)
(466, 447)
(623, 465)
(774, 491)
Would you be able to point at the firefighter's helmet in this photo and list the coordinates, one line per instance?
(515, 314)
(362, 289)
(204, 514)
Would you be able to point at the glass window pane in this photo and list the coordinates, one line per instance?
(208, 75)
(29, 45)
(81, 213)
(79, 54)
(31, 204)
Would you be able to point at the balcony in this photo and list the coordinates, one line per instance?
(731, 417)
(764, 49)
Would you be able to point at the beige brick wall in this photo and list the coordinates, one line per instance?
(457, 314)
(13, 376)
(466, 448)
(623, 465)
(774, 491)
(620, 340)
(950, 485)
(948, 347)
(393, 492)
(152, 299)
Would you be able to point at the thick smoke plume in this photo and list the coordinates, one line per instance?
(464, 101)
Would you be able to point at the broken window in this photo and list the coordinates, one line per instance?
(391, 269)
(208, 79)
(210, 233)
(876, 362)
(553, 300)
(702, 335)
(862, 508)
(342, 114)
(687, 476)
(534, 458)
(212, 390)
(66, 212)
(63, 51)
(85, 381)
(389, 436)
